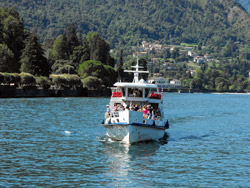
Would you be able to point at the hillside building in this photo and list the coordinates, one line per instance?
(140, 54)
(192, 54)
(199, 60)
(165, 84)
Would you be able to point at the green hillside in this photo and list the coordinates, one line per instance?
(121, 22)
(219, 32)
(245, 4)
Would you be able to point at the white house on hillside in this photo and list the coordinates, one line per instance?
(164, 83)
(175, 82)
(160, 82)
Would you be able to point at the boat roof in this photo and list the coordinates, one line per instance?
(137, 85)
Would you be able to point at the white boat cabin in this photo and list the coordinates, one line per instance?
(135, 95)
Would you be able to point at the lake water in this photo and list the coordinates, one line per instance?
(59, 142)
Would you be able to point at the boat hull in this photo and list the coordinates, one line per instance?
(132, 133)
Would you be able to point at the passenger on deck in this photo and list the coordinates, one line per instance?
(145, 111)
(140, 109)
(136, 107)
(119, 107)
(137, 93)
(107, 114)
(149, 115)
(124, 105)
(150, 111)
(132, 107)
(115, 113)
(157, 114)
(122, 108)
(149, 107)
(108, 109)
(115, 107)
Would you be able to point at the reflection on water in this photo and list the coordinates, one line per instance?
(140, 149)
(123, 159)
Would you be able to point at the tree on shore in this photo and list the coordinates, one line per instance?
(80, 54)
(71, 38)
(32, 59)
(96, 69)
(7, 61)
(92, 82)
(12, 34)
(99, 49)
(59, 50)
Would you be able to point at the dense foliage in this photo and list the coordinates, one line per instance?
(12, 37)
(95, 71)
(59, 81)
(32, 59)
(122, 22)
(219, 28)
(87, 57)
(63, 81)
(21, 51)
(217, 80)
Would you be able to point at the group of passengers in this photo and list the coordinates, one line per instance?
(148, 111)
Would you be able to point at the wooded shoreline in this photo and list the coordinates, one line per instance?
(34, 92)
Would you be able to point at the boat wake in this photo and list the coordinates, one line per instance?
(189, 138)
(106, 139)
(162, 141)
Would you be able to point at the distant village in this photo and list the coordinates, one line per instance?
(156, 48)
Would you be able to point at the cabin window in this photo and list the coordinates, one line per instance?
(144, 121)
(146, 93)
(123, 91)
(154, 105)
(117, 89)
(116, 114)
(134, 92)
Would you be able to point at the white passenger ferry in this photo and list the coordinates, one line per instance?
(135, 112)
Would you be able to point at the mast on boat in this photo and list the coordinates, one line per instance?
(136, 71)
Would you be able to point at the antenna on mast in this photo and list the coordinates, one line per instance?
(136, 71)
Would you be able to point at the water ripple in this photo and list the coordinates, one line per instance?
(58, 142)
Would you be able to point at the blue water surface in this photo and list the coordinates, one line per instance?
(59, 142)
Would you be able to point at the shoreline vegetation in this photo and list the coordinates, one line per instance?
(73, 62)
(39, 92)
(34, 92)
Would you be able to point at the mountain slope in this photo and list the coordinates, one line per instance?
(121, 22)
(245, 4)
